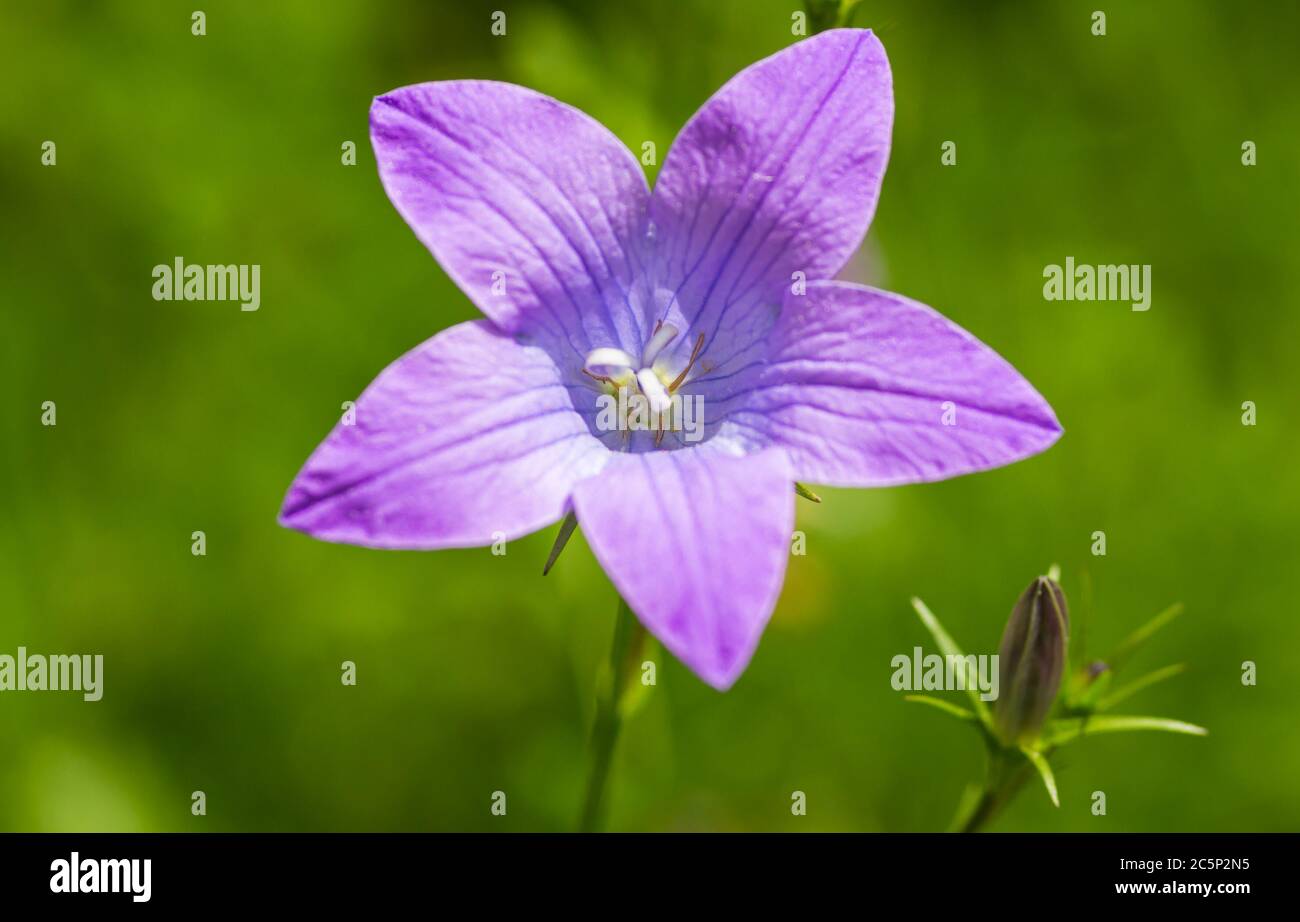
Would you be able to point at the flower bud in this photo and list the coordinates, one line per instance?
(1031, 661)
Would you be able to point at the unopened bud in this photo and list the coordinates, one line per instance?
(1031, 661)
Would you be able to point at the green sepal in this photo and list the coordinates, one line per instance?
(567, 527)
(806, 493)
(946, 706)
(1039, 761)
(1130, 644)
(1060, 732)
(1132, 688)
(949, 648)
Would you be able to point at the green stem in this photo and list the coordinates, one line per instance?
(613, 684)
(1007, 772)
(845, 15)
(830, 14)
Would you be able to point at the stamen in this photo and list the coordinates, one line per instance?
(695, 354)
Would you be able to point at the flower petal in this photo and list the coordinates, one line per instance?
(696, 541)
(467, 439)
(778, 172)
(531, 206)
(866, 388)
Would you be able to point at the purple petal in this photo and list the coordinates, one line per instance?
(468, 438)
(696, 542)
(865, 388)
(779, 172)
(509, 187)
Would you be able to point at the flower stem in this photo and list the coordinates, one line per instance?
(1007, 773)
(611, 694)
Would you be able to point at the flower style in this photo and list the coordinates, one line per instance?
(717, 285)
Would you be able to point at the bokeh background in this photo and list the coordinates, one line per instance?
(476, 674)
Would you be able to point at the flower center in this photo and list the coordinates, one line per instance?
(616, 370)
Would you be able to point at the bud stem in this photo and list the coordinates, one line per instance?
(1007, 772)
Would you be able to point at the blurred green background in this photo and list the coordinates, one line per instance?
(475, 673)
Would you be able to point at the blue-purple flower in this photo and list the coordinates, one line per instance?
(717, 286)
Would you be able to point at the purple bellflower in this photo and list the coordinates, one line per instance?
(716, 286)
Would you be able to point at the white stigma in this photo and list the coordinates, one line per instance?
(663, 335)
(607, 361)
